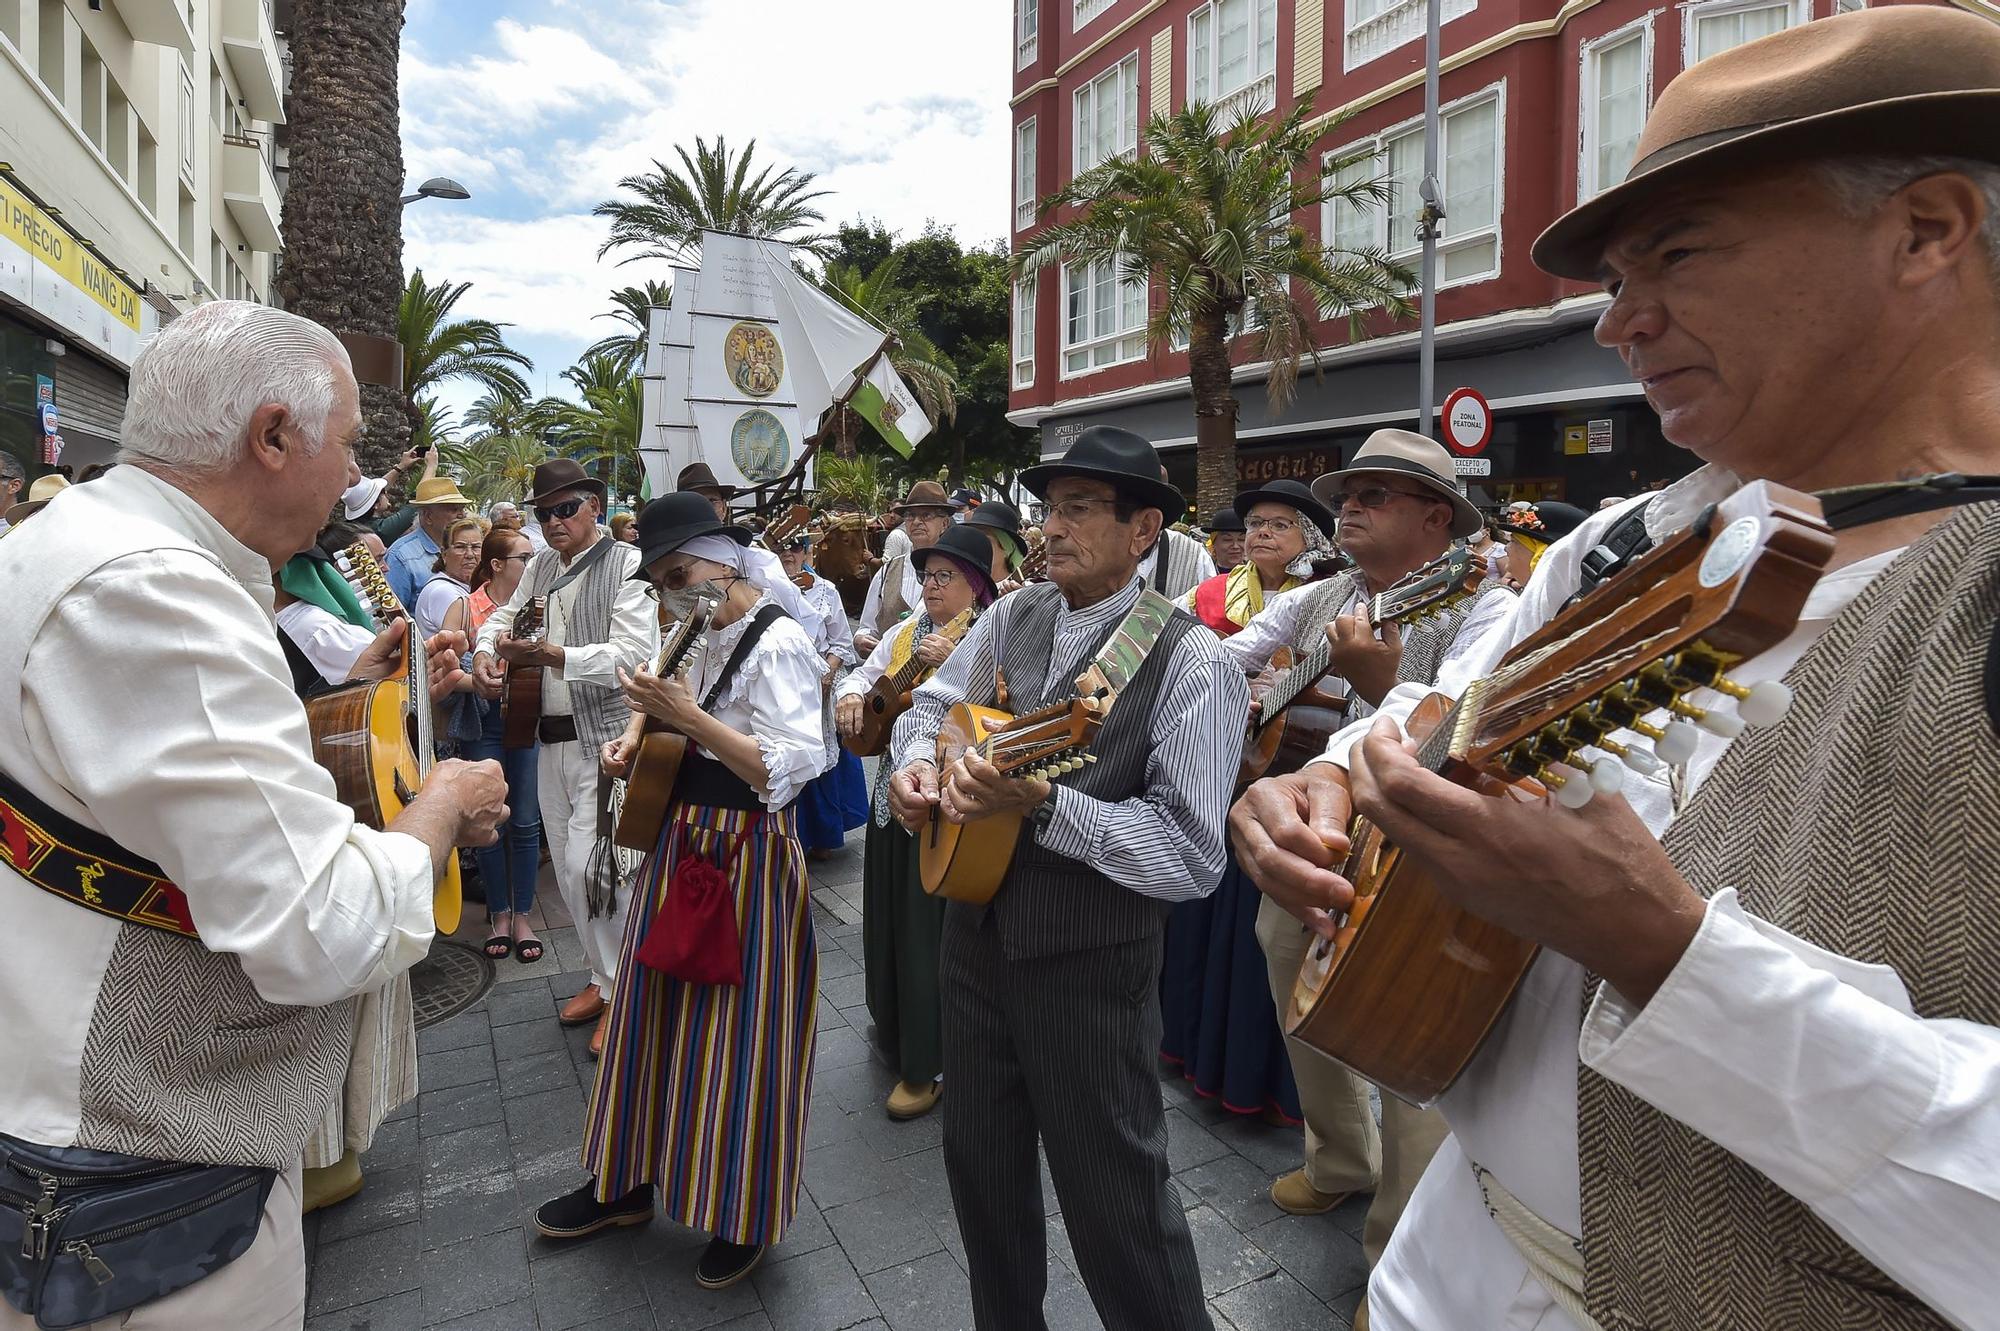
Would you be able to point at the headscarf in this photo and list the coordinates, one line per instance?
(763, 571)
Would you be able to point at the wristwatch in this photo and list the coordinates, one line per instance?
(1045, 813)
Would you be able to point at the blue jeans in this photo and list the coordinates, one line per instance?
(508, 867)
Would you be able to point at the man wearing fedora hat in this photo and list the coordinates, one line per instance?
(1050, 994)
(1745, 1085)
(413, 557)
(44, 489)
(597, 621)
(700, 478)
(895, 591)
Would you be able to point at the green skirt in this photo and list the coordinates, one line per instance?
(901, 926)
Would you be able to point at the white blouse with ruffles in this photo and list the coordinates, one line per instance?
(774, 698)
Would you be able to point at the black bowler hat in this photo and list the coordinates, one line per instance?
(1547, 521)
(963, 542)
(1127, 461)
(1292, 494)
(1225, 519)
(997, 514)
(671, 521)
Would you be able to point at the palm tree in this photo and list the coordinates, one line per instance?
(1206, 213)
(433, 425)
(343, 216)
(712, 190)
(881, 296)
(632, 306)
(496, 466)
(438, 348)
(498, 413)
(602, 431)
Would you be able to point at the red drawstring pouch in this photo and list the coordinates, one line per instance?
(694, 936)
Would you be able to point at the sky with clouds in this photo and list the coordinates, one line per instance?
(539, 107)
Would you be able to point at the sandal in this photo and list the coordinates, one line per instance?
(499, 945)
(527, 951)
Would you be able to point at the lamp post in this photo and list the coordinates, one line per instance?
(1427, 231)
(438, 187)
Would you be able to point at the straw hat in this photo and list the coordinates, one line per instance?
(44, 489)
(1413, 457)
(438, 490)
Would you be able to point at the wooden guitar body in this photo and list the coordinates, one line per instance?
(649, 789)
(880, 709)
(1408, 990)
(1295, 736)
(521, 693)
(967, 861)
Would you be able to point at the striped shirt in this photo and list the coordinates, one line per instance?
(1167, 843)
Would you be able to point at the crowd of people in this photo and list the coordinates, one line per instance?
(1744, 1084)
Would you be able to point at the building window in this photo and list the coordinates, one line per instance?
(50, 63)
(149, 171)
(1107, 115)
(1233, 52)
(1469, 158)
(1083, 11)
(1024, 332)
(187, 125)
(1024, 174)
(1376, 27)
(1714, 28)
(1027, 32)
(1104, 317)
(1617, 84)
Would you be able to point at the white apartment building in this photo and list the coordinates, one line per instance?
(140, 175)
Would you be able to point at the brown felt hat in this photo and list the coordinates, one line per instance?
(1909, 80)
(925, 494)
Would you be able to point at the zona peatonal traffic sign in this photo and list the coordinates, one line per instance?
(1468, 422)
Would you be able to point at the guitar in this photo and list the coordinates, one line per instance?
(1287, 732)
(376, 737)
(521, 693)
(967, 861)
(1410, 986)
(1035, 564)
(649, 787)
(890, 697)
(785, 526)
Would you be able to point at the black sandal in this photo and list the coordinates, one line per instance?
(521, 951)
(499, 945)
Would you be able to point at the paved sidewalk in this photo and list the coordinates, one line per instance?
(440, 1235)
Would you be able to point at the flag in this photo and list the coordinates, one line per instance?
(886, 403)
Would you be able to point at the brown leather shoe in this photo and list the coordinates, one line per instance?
(597, 1036)
(1294, 1193)
(909, 1101)
(588, 1005)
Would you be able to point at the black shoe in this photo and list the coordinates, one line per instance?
(723, 1264)
(575, 1214)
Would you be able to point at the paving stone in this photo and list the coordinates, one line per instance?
(546, 1118)
(930, 1294)
(1274, 1150)
(1189, 1143)
(398, 1312)
(1067, 1306)
(1236, 1188)
(569, 982)
(828, 1015)
(1352, 1214)
(813, 1292)
(516, 1316)
(849, 991)
(467, 1206)
(527, 1037)
(396, 1146)
(467, 1030)
(535, 1073)
(520, 1001)
(840, 1047)
(468, 1153)
(891, 1139)
(882, 1231)
(548, 1173)
(455, 1067)
(859, 1087)
(834, 963)
(845, 1172)
(1320, 1255)
(460, 1107)
(829, 1123)
(1275, 1303)
(761, 1321)
(666, 1254)
(586, 1284)
(469, 1277)
(1227, 1259)
(567, 949)
(388, 1197)
(366, 1268)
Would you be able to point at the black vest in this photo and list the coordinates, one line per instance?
(1049, 903)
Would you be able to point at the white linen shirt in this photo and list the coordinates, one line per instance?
(1806, 1065)
(913, 598)
(328, 642)
(150, 700)
(774, 698)
(634, 636)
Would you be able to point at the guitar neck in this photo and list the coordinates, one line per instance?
(1309, 670)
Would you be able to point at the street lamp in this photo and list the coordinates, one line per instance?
(438, 187)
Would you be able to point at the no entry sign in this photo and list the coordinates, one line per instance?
(1468, 421)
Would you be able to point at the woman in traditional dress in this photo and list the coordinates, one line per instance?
(901, 924)
(703, 1088)
(1225, 539)
(837, 800)
(1530, 529)
(1215, 994)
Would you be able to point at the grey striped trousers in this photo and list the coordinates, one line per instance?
(1062, 1047)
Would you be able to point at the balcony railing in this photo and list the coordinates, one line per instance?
(250, 192)
(1400, 22)
(1252, 99)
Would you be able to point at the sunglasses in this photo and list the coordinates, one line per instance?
(558, 512)
(1375, 496)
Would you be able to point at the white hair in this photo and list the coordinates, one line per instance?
(199, 381)
(1862, 183)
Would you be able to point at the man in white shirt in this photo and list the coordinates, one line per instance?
(597, 620)
(146, 711)
(896, 591)
(1830, 1119)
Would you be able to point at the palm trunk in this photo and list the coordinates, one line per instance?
(1214, 411)
(343, 219)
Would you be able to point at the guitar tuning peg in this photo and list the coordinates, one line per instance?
(1762, 704)
(1607, 777)
(1572, 789)
(1641, 761)
(1088, 757)
(1725, 724)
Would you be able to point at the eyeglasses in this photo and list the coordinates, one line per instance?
(1375, 496)
(508, 559)
(558, 512)
(939, 577)
(681, 574)
(1275, 526)
(463, 549)
(1074, 511)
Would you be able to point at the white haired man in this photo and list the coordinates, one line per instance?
(190, 910)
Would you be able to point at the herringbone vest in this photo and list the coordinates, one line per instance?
(1425, 643)
(1889, 732)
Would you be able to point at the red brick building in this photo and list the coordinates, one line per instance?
(1542, 103)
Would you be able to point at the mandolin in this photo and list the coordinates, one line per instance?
(785, 526)
(968, 861)
(376, 737)
(521, 692)
(890, 697)
(649, 788)
(1295, 720)
(1410, 986)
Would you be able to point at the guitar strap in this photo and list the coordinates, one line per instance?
(762, 620)
(597, 551)
(85, 867)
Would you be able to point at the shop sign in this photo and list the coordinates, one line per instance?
(1575, 440)
(47, 269)
(1600, 436)
(1262, 466)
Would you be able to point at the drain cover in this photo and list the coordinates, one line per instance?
(448, 981)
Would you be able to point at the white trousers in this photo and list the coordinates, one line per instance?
(567, 774)
(263, 1290)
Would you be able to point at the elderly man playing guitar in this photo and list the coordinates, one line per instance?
(1754, 1080)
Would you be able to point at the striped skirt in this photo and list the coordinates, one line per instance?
(704, 1089)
